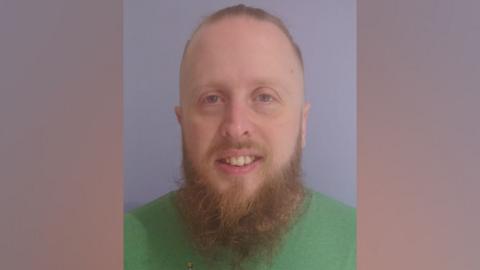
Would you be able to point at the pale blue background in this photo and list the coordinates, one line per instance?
(154, 36)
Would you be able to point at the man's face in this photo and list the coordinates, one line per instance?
(242, 109)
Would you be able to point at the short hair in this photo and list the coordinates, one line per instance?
(252, 12)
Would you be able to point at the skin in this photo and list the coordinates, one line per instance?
(241, 81)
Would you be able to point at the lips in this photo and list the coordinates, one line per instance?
(238, 162)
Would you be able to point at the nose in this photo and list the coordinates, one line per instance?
(236, 123)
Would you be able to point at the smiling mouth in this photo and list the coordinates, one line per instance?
(239, 161)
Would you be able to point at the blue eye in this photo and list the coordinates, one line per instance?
(211, 99)
(266, 98)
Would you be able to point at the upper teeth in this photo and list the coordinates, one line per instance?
(240, 160)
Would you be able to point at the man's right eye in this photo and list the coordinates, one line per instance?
(211, 99)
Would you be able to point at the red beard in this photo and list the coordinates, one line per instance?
(247, 227)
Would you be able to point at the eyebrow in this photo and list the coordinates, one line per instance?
(209, 85)
(272, 83)
(254, 83)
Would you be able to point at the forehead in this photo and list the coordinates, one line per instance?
(240, 49)
(237, 28)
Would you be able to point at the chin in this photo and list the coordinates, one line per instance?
(247, 187)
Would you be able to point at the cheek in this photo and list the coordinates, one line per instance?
(282, 138)
(198, 135)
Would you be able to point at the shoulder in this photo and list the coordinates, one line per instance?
(152, 214)
(161, 204)
(331, 211)
(324, 235)
(149, 228)
(329, 219)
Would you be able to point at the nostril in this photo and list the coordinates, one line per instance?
(235, 130)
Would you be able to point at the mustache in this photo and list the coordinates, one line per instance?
(229, 143)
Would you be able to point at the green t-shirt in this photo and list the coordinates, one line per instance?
(324, 237)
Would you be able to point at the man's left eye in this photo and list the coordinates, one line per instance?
(264, 98)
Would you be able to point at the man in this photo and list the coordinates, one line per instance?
(242, 204)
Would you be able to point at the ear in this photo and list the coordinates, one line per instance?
(306, 109)
(178, 113)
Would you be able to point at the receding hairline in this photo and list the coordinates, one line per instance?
(248, 12)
